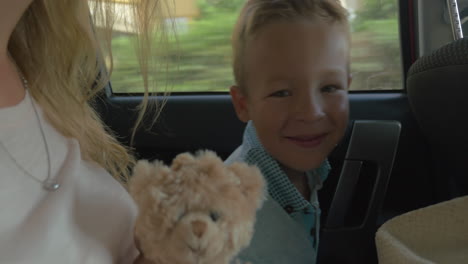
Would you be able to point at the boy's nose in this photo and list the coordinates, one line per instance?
(309, 108)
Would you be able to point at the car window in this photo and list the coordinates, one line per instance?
(463, 12)
(202, 46)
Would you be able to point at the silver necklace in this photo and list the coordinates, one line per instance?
(48, 184)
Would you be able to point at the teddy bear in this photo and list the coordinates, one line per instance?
(197, 211)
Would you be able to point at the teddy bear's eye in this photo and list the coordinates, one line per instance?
(214, 216)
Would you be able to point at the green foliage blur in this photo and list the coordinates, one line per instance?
(375, 54)
(203, 49)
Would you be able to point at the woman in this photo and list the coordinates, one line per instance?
(59, 201)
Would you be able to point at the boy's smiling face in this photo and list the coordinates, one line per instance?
(296, 94)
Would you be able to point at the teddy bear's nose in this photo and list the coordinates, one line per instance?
(198, 228)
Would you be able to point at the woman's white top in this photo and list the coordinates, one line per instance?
(89, 219)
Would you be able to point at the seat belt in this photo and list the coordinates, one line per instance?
(373, 142)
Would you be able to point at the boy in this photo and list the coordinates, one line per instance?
(291, 66)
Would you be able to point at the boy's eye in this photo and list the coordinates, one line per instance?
(281, 93)
(330, 88)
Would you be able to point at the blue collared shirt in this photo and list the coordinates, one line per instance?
(281, 189)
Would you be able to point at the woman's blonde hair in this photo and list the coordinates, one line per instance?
(56, 49)
(256, 14)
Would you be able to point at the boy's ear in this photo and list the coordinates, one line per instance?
(239, 100)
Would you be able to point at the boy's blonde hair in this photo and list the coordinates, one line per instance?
(256, 14)
(56, 49)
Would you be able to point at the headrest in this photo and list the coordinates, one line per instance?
(437, 87)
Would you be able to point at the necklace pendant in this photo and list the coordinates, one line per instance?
(51, 185)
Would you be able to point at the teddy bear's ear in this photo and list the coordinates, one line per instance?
(140, 177)
(209, 163)
(207, 154)
(252, 182)
(182, 160)
(145, 173)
